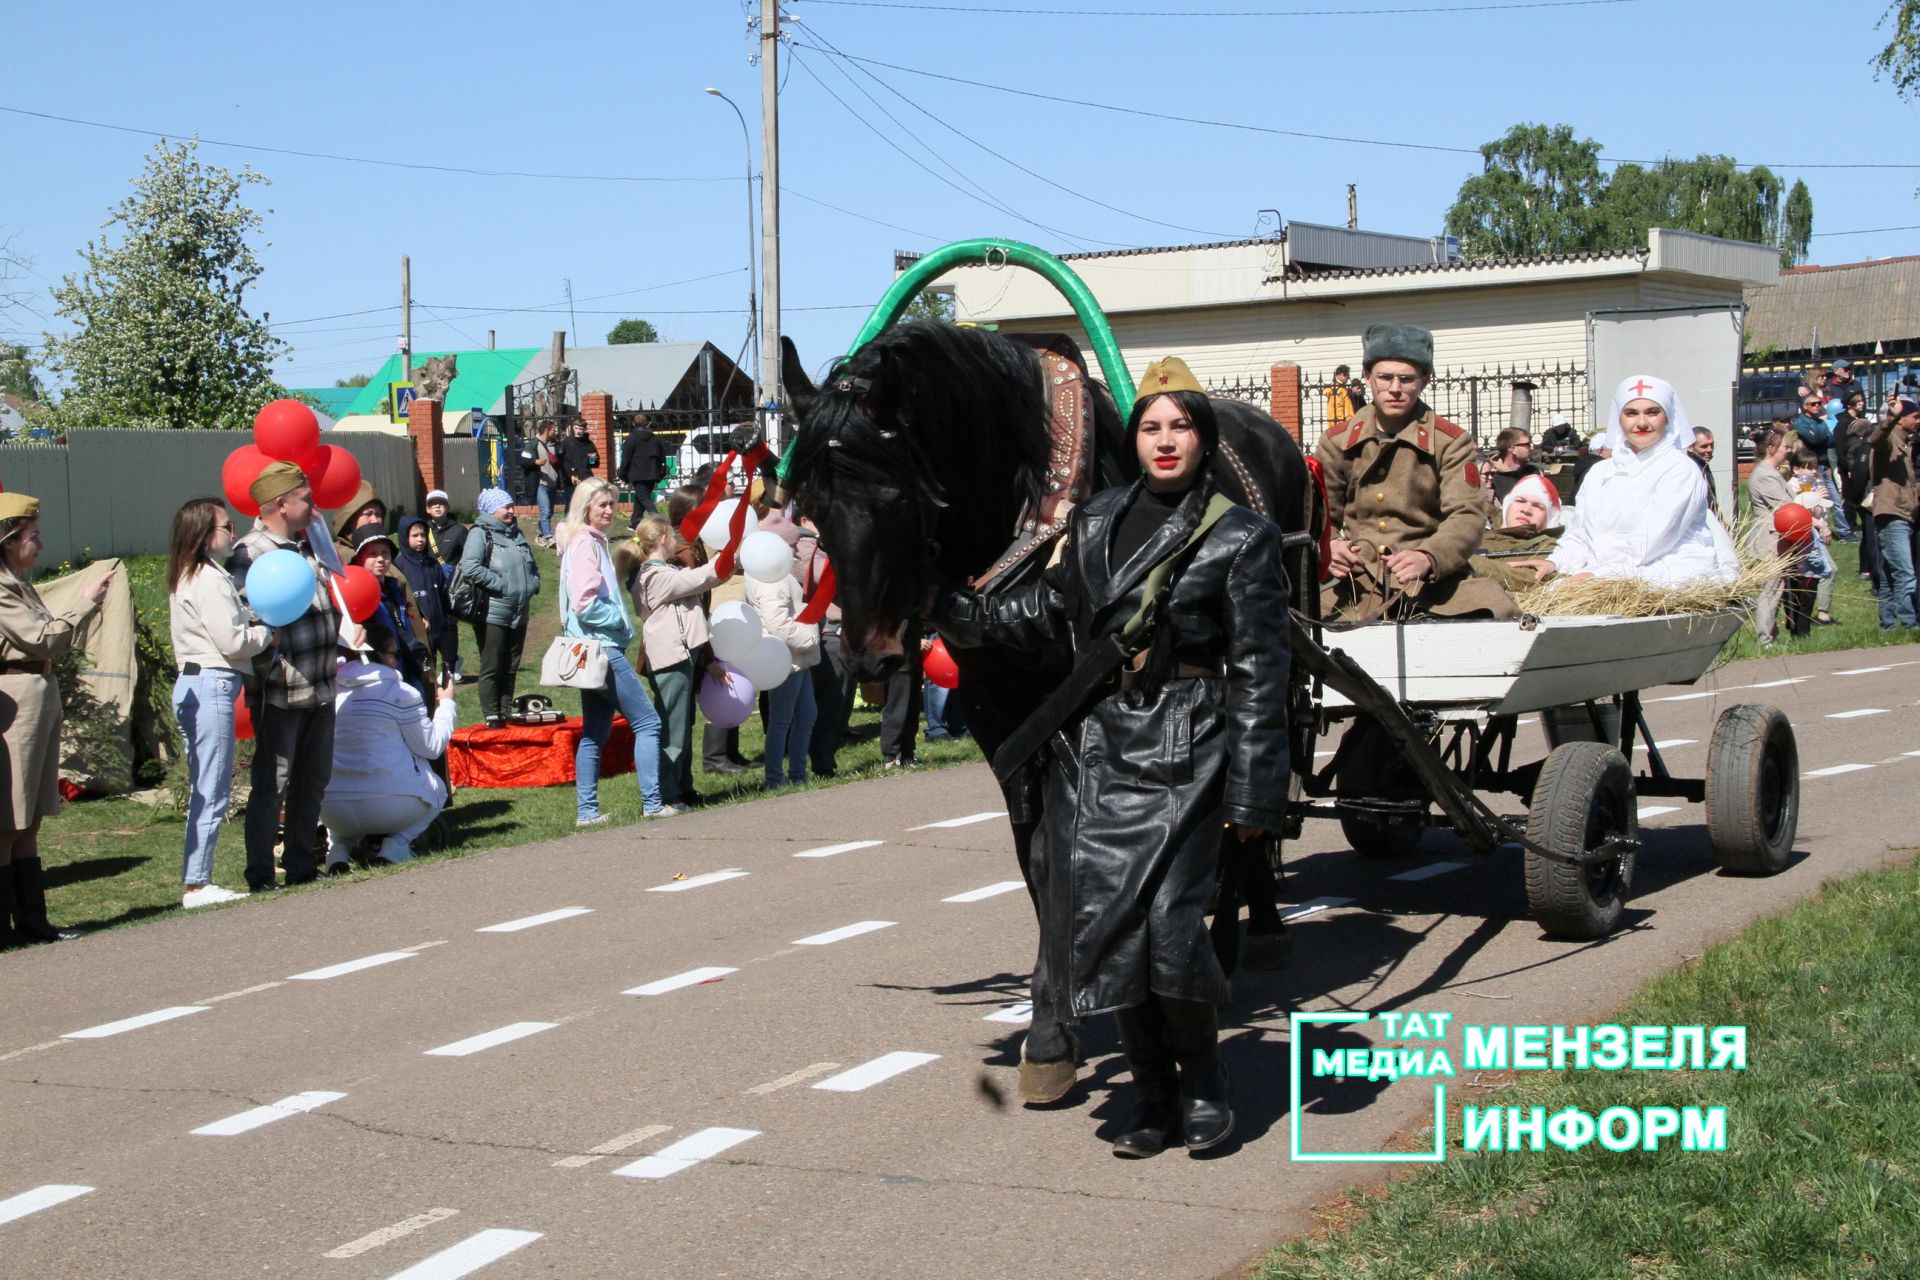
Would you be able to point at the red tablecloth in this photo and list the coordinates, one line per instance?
(530, 755)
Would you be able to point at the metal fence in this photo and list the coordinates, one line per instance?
(1484, 401)
(114, 492)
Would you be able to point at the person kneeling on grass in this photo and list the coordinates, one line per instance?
(384, 746)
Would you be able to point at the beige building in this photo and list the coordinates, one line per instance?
(1237, 309)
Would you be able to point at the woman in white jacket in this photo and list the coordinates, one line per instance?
(215, 639)
(790, 705)
(384, 746)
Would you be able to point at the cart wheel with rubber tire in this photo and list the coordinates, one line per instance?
(1753, 790)
(1583, 799)
(1375, 769)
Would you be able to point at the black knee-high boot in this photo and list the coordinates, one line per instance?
(1143, 1038)
(30, 902)
(1193, 1032)
(8, 937)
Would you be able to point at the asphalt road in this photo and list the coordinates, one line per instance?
(795, 1067)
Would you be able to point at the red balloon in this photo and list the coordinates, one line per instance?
(334, 475)
(940, 667)
(286, 430)
(237, 474)
(242, 720)
(360, 591)
(1793, 522)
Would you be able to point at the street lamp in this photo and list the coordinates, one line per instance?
(753, 292)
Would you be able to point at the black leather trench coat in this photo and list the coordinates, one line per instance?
(1139, 787)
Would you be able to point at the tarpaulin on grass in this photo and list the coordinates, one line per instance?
(531, 755)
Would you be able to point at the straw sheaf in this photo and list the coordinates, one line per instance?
(1633, 598)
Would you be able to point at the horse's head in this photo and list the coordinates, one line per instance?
(922, 418)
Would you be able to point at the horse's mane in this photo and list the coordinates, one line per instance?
(970, 403)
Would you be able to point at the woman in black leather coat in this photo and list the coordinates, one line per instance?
(1140, 786)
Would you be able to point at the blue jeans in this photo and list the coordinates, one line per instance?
(1895, 537)
(943, 716)
(624, 693)
(1838, 514)
(203, 708)
(790, 716)
(543, 498)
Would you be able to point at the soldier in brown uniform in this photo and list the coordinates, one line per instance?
(1403, 490)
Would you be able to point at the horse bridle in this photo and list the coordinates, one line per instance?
(927, 495)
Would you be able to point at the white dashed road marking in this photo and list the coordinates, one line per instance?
(1667, 744)
(1857, 714)
(533, 922)
(298, 1104)
(612, 1147)
(1431, 870)
(39, 1198)
(1014, 1013)
(695, 882)
(829, 851)
(490, 1039)
(967, 821)
(350, 966)
(386, 1235)
(1655, 810)
(1862, 671)
(106, 1029)
(691, 978)
(469, 1255)
(1834, 770)
(842, 933)
(1313, 906)
(686, 1153)
(990, 891)
(869, 1074)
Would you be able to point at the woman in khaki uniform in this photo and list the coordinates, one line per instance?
(31, 638)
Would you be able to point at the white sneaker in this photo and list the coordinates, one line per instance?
(664, 811)
(207, 895)
(598, 819)
(393, 849)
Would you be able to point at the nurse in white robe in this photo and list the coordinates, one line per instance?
(1642, 513)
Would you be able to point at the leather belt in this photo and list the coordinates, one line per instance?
(23, 668)
(194, 669)
(1129, 678)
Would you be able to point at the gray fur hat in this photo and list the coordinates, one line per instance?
(1408, 342)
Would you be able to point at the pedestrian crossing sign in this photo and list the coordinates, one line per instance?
(399, 401)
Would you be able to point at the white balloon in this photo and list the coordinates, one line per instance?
(736, 630)
(769, 665)
(714, 532)
(766, 556)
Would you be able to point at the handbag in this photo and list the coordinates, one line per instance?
(572, 662)
(466, 598)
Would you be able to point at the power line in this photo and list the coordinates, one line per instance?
(966, 137)
(1868, 231)
(786, 190)
(346, 159)
(1219, 13)
(1266, 129)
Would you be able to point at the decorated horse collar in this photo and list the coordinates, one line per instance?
(1069, 477)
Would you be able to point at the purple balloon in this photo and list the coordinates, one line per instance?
(726, 697)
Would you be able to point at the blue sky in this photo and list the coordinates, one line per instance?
(614, 90)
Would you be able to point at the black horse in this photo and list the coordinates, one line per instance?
(920, 459)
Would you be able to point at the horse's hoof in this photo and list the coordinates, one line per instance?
(1046, 1081)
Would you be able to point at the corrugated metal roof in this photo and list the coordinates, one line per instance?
(644, 374)
(1855, 304)
(1480, 264)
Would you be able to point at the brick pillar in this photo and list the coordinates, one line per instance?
(424, 425)
(597, 408)
(1284, 392)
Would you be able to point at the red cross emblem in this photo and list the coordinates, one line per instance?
(1640, 388)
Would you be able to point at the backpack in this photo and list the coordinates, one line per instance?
(466, 598)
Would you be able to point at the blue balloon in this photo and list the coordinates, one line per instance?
(280, 587)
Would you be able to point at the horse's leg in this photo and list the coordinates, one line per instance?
(1050, 1053)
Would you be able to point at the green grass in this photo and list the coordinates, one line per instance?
(1821, 1175)
(1856, 614)
(116, 861)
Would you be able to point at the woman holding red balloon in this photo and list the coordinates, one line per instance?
(1768, 493)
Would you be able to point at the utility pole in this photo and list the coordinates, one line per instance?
(406, 319)
(770, 388)
(573, 321)
(1353, 206)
